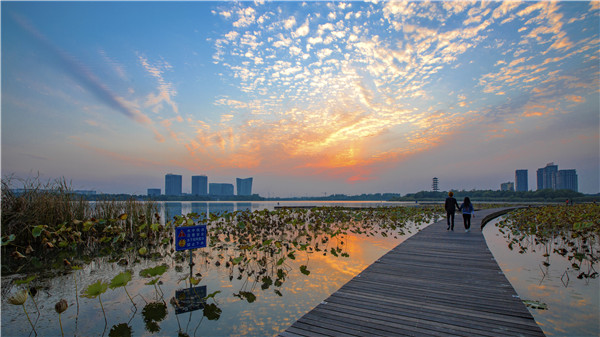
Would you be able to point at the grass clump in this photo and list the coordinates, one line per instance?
(49, 221)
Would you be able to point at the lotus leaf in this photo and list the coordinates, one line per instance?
(37, 231)
(303, 270)
(25, 281)
(247, 295)
(155, 271)
(212, 312)
(95, 289)
(121, 330)
(120, 280)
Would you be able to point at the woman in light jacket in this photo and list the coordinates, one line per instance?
(467, 210)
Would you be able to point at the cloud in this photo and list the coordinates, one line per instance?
(289, 23)
(327, 99)
(82, 75)
(247, 16)
(302, 30)
(165, 89)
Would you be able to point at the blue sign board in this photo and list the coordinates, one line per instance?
(190, 237)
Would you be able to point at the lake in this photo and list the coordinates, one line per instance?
(268, 313)
(573, 308)
(254, 308)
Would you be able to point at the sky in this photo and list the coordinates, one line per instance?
(308, 98)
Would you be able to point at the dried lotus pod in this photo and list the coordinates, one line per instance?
(61, 306)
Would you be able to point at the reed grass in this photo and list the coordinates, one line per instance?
(35, 213)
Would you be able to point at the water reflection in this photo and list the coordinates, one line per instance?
(573, 304)
(168, 210)
(199, 208)
(272, 309)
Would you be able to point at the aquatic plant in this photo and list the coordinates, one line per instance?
(32, 290)
(121, 280)
(153, 313)
(95, 290)
(43, 219)
(154, 272)
(121, 330)
(60, 307)
(570, 231)
(19, 298)
(263, 247)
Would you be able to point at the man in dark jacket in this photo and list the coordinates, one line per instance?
(450, 206)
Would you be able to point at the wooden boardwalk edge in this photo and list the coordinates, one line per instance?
(436, 283)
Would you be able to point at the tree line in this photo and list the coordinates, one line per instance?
(546, 195)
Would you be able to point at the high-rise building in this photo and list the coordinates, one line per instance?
(199, 185)
(434, 185)
(509, 186)
(220, 189)
(547, 176)
(567, 180)
(152, 192)
(244, 186)
(173, 184)
(521, 181)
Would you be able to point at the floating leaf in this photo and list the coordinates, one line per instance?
(143, 251)
(303, 270)
(212, 312)
(121, 330)
(95, 289)
(25, 281)
(248, 296)
(333, 252)
(120, 280)
(155, 271)
(267, 282)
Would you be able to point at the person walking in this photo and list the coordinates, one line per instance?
(450, 206)
(467, 211)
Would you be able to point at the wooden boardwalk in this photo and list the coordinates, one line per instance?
(436, 283)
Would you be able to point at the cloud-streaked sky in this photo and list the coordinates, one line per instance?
(309, 98)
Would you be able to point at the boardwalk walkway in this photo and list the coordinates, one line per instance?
(436, 283)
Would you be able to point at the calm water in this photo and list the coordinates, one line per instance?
(268, 315)
(573, 308)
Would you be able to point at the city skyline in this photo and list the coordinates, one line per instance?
(306, 97)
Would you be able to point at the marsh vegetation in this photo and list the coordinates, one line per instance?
(49, 233)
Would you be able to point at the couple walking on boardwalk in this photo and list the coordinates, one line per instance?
(466, 208)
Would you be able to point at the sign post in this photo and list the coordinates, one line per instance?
(188, 238)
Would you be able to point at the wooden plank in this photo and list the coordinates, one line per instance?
(436, 283)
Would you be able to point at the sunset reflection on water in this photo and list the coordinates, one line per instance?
(573, 304)
(268, 315)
